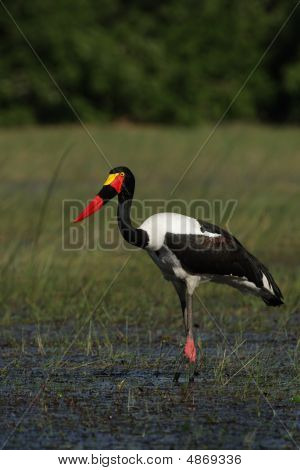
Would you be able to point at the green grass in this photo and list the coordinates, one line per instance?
(56, 293)
(257, 166)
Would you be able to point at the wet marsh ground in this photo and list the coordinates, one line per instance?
(90, 339)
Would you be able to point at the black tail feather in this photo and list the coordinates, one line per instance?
(274, 298)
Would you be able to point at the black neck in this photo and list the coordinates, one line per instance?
(132, 235)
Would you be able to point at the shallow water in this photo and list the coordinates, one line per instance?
(125, 398)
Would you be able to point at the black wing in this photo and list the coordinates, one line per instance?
(219, 255)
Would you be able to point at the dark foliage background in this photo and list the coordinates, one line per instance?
(171, 62)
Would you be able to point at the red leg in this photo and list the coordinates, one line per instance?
(190, 348)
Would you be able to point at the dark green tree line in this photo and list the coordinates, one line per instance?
(171, 62)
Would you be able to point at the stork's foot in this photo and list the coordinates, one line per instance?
(191, 374)
(190, 350)
(176, 377)
(190, 357)
(192, 378)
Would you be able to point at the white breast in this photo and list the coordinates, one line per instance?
(158, 225)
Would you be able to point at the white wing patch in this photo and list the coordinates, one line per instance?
(158, 225)
(266, 283)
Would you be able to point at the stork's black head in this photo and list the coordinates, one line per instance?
(128, 181)
(120, 180)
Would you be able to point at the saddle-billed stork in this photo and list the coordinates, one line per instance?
(187, 251)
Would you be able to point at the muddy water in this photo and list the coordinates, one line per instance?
(124, 397)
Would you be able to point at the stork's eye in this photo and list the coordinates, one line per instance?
(122, 174)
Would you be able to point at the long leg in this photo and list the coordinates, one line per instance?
(189, 315)
(190, 349)
(180, 288)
